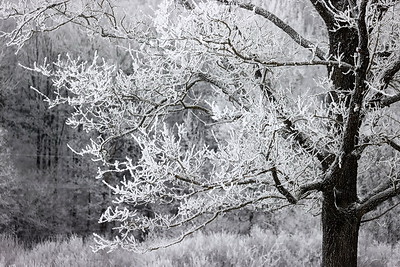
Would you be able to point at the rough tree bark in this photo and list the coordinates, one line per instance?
(340, 219)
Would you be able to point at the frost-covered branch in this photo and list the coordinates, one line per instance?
(280, 24)
(99, 17)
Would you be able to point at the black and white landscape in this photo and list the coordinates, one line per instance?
(199, 133)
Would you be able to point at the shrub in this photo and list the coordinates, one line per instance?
(10, 249)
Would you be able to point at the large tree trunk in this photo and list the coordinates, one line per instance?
(340, 225)
(340, 222)
(340, 235)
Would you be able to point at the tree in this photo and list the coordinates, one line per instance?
(274, 145)
(8, 206)
(52, 189)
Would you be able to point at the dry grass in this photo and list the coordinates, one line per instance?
(259, 248)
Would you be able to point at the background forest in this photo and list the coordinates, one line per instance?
(51, 203)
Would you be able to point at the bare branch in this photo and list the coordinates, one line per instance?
(363, 34)
(290, 129)
(316, 186)
(374, 201)
(196, 107)
(390, 72)
(187, 180)
(324, 12)
(380, 188)
(340, 64)
(282, 189)
(380, 215)
(385, 79)
(244, 180)
(304, 142)
(214, 216)
(392, 144)
(186, 234)
(386, 102)
(132, 130)
(351, 130)
(208, 78)
(280, 24)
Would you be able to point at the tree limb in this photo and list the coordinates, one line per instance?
(386, 102)
(351, 129)
(304, 142)
(323, 11)
(224, 87)
(385, 78)
(380, 188)
(340, 64)
(318, 186)
(393, 144)
(374, 201)
(390, 72)
(363, 35)
(282, 189)
(290, 129)
(214, 216)
(380, 215)
(293, 34)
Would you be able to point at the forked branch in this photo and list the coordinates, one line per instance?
(304, 189)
